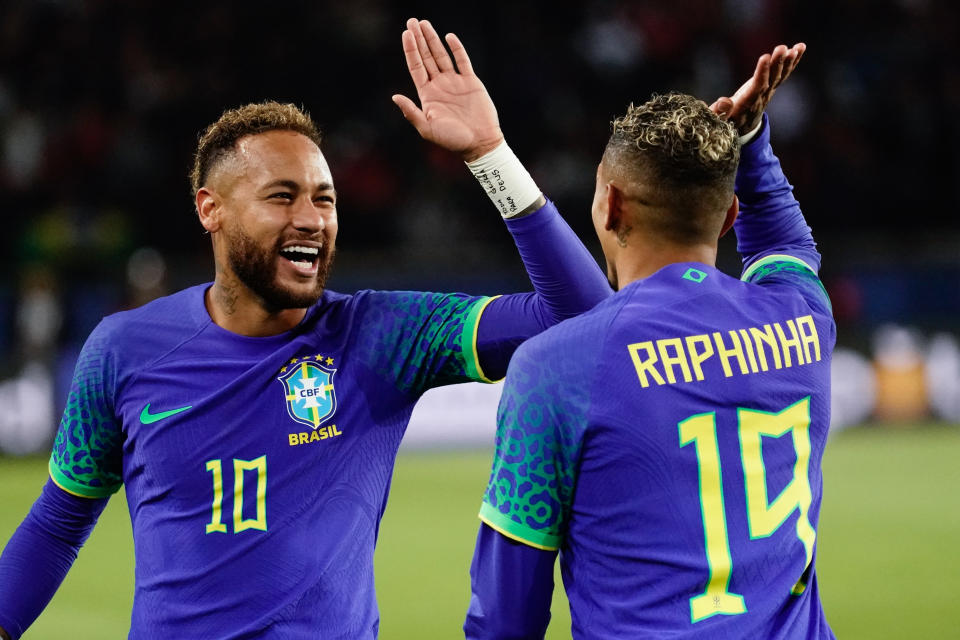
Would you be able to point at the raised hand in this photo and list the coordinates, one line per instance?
(745, 108)
(455, 111)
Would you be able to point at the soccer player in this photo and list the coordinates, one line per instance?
(668, 442)
(254, 421)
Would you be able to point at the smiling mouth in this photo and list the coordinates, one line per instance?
(303, 257)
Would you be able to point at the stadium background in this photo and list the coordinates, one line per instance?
(100, 105)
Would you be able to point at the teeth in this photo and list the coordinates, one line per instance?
(309, 251)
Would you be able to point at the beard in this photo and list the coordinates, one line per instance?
(256, 268)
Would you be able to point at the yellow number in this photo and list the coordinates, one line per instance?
(260, 522)
(216, 524)
(701, 430)
(764, 517)
(216, 519)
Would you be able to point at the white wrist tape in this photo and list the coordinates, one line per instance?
(506, 181)
(750, 135)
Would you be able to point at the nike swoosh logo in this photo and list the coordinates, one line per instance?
(149, 418)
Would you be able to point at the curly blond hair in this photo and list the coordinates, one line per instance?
(220, 138)
(673, 143)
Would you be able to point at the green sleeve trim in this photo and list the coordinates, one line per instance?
(75, 488)
(468, 340)
(515, 531)
(776, 257)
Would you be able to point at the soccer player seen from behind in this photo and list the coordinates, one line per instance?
(254, 421)
(668, 443)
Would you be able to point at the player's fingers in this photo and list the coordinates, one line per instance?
(459, 54)
(722, 107)
(414, 62)
(428, 62)
(761, 74)
(794, 55)
(751, 90)
(800, 48)
(777, 59)
(435, 44)
(411, 112)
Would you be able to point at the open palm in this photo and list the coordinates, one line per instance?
(745, 108)
(455, 111)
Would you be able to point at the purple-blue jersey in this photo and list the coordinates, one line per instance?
(668, 444)
(257, 469)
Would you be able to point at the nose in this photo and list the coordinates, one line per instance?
(307, 217)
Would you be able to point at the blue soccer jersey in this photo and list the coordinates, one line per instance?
(257, 469)
(669, 444)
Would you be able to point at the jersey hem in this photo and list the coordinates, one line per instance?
(507, 527)
(469, 341)
(75, 488)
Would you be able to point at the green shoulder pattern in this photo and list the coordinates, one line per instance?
(422, 340)
(790, 270)
(86, 457)
(540, 425)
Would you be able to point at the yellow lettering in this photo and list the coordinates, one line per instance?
(766, 337)
(679, 358)
(304, 438)
(748, 347)
(644, 367)
(809, 337)
(314, 437)
(725, 353)
(293, 440)
(335, 431)
(791, 343)
(698, 357)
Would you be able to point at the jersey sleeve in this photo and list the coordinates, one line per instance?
(540, 425)
(422, 340)
(770, 220)
(87, 452)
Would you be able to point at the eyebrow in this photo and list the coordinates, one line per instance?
(293, 185)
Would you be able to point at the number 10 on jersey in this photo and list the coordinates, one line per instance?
(216, 524)
(764, 517)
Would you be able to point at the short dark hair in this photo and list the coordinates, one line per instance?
(221, 137)
(675, 143)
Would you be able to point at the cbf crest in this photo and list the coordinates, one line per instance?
(308, 386)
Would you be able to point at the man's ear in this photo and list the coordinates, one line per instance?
(208, 209)
(731, 216)
(613, 216)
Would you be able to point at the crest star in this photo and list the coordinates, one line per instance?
(293, 361)
(318, 358)
(329, 361)
(283, 370)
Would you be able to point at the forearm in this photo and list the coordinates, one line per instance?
(566, 282)
(511, 589)
(770, 219)
(565, 277)
(41, 551)
(564, 274)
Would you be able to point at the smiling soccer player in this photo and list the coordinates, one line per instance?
(254, 421)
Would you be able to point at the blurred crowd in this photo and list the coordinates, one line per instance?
(101, 102)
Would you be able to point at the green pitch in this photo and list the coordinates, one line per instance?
(888, 560)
